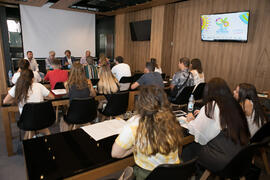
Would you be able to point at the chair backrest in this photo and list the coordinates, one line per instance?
(117, 104)
(59, 85)
(136, 76)
(126, 79)
(173, 171)
(198, 91)
(36, 116)
(94, 81)
(239, 165)
(163, 75)
(261, 134)
(81, 111)
(184, 95)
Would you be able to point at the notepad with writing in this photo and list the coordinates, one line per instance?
(59, 91)
(104, 129)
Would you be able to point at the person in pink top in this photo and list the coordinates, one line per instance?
(56, 75)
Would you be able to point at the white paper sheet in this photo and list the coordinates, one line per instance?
(59, 91)
(105, 129)
(182, 121)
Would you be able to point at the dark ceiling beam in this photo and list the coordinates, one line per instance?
(142, 6)
(65, 4)
(38, 3)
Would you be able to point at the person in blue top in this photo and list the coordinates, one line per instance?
(149, 78)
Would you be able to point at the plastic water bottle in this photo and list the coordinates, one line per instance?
(10, 77)
(191, 103)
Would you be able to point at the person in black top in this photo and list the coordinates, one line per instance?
(149, 78)
(77, 85)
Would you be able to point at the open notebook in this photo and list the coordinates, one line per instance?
(105, 129)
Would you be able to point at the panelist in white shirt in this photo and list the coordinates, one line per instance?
(33, 63)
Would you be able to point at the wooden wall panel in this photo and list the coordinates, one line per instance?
(235, 62)
(166, 59)
(3, 84)
(157, 29)
(136, 53)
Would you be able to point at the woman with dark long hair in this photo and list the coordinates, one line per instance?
(27, 91)
(246, 95)
(157, 67)
(154, 135)
(220, 128)
(197, 71)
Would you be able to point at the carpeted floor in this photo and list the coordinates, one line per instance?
(13, 168)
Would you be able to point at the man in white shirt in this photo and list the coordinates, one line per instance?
(33, 63)
(120, 70)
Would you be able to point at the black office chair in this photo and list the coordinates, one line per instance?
(81, 111)
(94, 81)
(126, 79)
(36, 116)
(117, 104)
(239, 166)
(184, 96)
(198, 91)
(136, 77)
(173, 171)
(163, 75)
(59, 85)
(260, 135)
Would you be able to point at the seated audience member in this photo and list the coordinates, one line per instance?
(157, 68)
(49, 60)
(77, 84)
(87, 59)
(107, 83)
(23, 65)
(149, 78)
(153, 136)
(103, 60)
(220, 128)
(56, 75)
(246, 95)
(120, 70)
(28, 91)
(68, 60)
(183, 77)
(196, 70)
(33, 63)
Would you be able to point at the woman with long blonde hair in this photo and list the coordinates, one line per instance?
(154, 135)
(107, 83)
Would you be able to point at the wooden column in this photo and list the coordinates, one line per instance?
(157, 33)
(3, 84)
(119, 49)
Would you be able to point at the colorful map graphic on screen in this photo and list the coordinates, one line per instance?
(229, 26)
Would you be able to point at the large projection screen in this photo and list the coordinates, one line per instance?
(45, 29)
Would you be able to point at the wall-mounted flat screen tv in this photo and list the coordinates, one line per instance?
(140, 30)
(225, 27)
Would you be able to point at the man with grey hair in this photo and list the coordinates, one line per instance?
(88, 59)
(49, 60)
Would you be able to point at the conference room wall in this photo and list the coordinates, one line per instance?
(233, 61)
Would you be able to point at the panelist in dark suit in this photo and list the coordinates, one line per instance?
(68, 59)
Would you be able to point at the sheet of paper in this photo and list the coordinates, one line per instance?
(182, 121)
(105, 129)
(59, 91)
